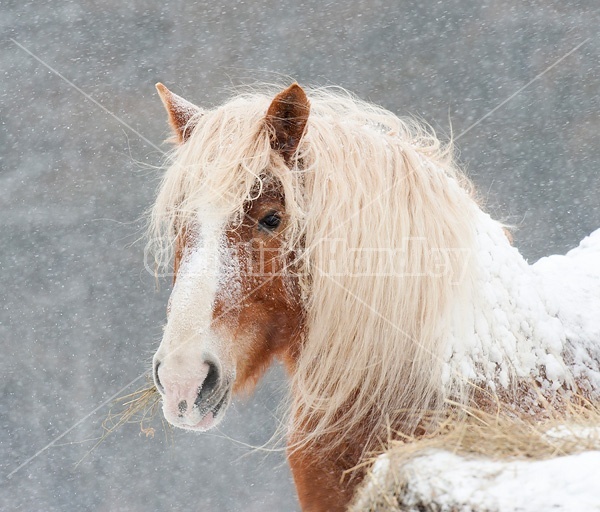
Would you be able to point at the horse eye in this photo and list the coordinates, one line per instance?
(270, 221)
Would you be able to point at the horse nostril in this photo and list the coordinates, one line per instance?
(182, 406)
(157, 383)
(210, 383)
(211, 378)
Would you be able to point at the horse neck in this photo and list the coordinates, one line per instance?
(505, 329)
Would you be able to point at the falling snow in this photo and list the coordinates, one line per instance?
(80, 138)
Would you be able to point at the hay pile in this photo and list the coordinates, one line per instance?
(490, 463)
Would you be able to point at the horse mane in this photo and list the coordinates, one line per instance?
(374, 203)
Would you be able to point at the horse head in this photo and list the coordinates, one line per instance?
(236, 302)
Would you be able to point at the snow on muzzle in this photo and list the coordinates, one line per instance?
(195, 396)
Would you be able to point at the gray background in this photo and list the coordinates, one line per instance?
(80, 317)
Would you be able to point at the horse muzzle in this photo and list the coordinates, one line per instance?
(196, 402)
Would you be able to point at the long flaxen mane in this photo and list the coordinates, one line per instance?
(377, 209)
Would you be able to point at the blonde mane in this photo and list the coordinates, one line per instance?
(380, 220)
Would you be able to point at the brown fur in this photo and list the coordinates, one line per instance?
(180, 112)
(321, 482)
(287, 116)
(270, 303)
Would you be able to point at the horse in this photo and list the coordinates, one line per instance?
(317, 229)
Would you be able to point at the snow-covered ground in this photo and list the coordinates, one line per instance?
(442, 481)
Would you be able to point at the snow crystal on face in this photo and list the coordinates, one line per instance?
(229, 281)
(197, 280)
(207, 271)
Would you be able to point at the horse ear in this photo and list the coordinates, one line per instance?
(180, 112)
(287, 117)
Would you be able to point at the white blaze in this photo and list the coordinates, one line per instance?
(188, 342)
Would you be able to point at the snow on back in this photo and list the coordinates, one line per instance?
(571, 286)
(538, 322)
